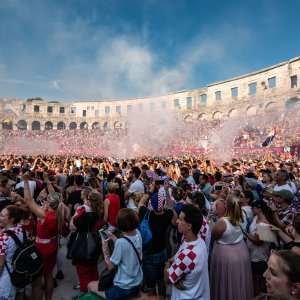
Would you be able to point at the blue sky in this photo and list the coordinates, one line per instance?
(68, 50)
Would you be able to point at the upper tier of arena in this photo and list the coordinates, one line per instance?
(274, 87)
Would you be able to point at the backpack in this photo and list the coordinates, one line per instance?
(26, 261)
(145, 230)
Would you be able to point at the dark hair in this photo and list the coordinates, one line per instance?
(197, 199)
(127, 220)
(249, 195)
(136, 171)
(15, 213)
(184, 169)
(79, 179)
(291, 266)
(193, 216)
(204, 176)
(218, 176)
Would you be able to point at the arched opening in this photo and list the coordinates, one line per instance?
(96, 125)
(61, 125)
(73, 125)
(202, 116)
(7, 124)
(292, 102)
(233, 113)
(270, 106)
(217, 115)
(105, 125)
(188, 119)
(22, 125)
(251, 110)
(36, 125)
(117, 125)
(84, 125)
(48, 125)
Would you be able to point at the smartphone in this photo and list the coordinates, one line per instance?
(218, 188)
(103, 234)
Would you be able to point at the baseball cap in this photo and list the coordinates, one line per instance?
(286, 194)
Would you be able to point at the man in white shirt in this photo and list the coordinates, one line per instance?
(185, 173)
(136, 186)
(32, 184)
(281, 178)
(188, 271)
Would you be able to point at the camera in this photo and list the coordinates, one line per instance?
(103, 234)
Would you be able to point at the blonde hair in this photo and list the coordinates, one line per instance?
(56, 203)
(234, 211)
(112, 187)
(96, 203)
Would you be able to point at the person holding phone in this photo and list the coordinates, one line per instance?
(129, 275)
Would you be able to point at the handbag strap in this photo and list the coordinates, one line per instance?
(131, 243)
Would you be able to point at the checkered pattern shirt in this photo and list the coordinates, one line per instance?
(286, 215)
(184, 263)
(4, 238)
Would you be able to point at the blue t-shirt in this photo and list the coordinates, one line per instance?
(129, 272)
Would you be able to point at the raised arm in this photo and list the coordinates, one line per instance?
(37, 210)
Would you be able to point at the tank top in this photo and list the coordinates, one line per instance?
(114, 209)
(232, 234)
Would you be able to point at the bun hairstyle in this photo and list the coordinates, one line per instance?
(234, 211)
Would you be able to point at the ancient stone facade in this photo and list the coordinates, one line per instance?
(274, 87)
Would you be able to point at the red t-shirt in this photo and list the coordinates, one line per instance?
(114, 208)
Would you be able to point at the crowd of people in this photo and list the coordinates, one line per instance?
(179, 227)
(144, 139)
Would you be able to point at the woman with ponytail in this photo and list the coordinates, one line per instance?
(231, 275)
(51, 222)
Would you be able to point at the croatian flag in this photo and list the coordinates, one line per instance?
(269, 138)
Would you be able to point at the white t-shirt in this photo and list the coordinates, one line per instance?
(190, 265)
(190, 180)
(136, 186)
(288, 186)
(32, 187)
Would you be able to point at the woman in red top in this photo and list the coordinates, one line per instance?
(111, 207)
(51, 223)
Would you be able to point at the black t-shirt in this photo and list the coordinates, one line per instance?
(158, 225)
(75, 198)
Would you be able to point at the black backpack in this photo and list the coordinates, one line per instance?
(26, 261)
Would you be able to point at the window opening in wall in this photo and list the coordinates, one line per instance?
(189, 101)
(61, 110)
(84, 113)
(107, 109)
(218, 95)
(118, 109)
(176, 103)
(293, 81)
(252, 88)
(272, 82)
(97, 113)
(234, 92)
(36, 108)
(203, 98)
(92, 107)
(88, 108)
(73, 110)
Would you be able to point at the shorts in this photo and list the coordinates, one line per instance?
(117, 293)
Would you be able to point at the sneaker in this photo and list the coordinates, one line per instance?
(59, 275)
(76, 286)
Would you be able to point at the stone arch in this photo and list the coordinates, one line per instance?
(188, 119)
(202, 116)
(84, 125)
(73, 126)
(270, 106)
(22, 125)
(292, 102)
(105, 125)
(251, 110)
(48, 125)
(96, 125)
(233, 113)
(7, 124)
(117, 125)
(61, 125)
(217, 115)
(36, 125)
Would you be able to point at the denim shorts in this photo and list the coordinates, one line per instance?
(153, 268)
(117, 293)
